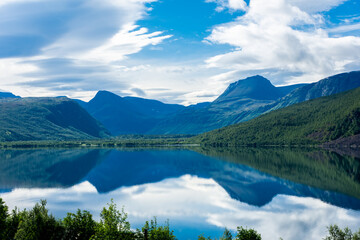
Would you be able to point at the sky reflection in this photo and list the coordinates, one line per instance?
(195, 205)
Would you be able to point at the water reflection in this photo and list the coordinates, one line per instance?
(195, 190)
(46, 168)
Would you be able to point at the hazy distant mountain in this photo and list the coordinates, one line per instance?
(7, 95)
(46, 119)
(128, 115)
(239, 102)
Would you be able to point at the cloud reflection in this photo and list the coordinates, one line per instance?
(192, 201)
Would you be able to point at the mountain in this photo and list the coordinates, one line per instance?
(239, 102)
(128, 115)
(312, 122)
(256, 87)
(249, 98)
(7, 95)
(46, 119)
(325, 87)
(288, 89)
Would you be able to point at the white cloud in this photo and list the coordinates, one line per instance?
(275, 36)
(232, 5)
(317, 5)
(181, 81)
(11, 70)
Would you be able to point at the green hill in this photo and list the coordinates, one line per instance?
(312, 122)
(60, 118)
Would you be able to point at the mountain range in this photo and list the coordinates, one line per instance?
(128, 115)
(315, 121)
(243, 100)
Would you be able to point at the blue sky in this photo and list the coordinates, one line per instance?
(176, 51)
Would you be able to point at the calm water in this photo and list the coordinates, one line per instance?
(293, 194)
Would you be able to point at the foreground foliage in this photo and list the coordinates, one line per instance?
(336, 233)
(38, 224)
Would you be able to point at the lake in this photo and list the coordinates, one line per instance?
(288, 193)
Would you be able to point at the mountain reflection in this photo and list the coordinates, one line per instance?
(252, 176)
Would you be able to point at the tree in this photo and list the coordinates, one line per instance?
(156, 232)
(113, 224)
(37, 224)
(336, 233)
(247, 234)
(79, 226)
(202, 237)
(13, 222)
(3, 218)
(226, 235)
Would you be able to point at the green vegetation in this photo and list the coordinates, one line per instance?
(118, 142)
(336, 233)
(308, 123)
(38, 224)
(26, 119)
(242, 234)
(247, 234)
(156, 232)
(79, 225)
